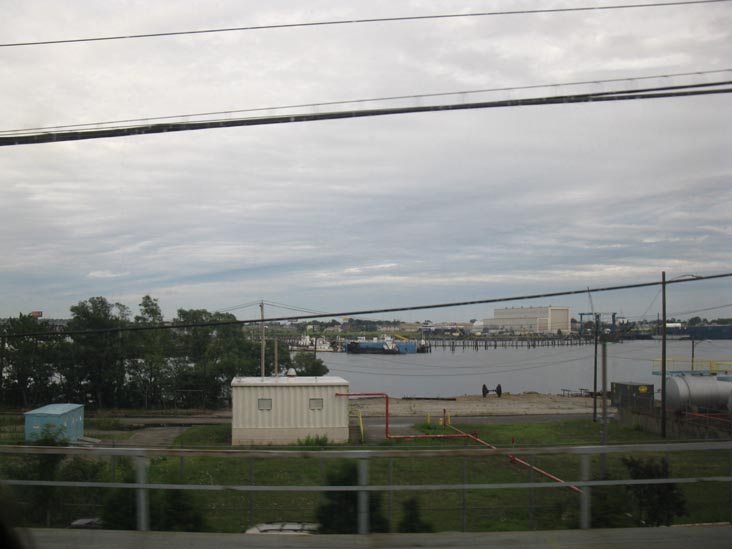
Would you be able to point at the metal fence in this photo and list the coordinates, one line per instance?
(142, 457)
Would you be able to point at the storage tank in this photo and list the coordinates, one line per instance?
(700, 391)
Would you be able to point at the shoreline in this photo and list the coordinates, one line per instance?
(476, 405)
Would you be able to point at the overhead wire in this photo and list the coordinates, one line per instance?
(363, 21)
(334, 314)
(293, 308)
(236, 307)
(617, 95)
(117, 123)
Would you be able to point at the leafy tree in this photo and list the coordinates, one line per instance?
(411, 520)
(306, 364)
(27, 363)
(654, 504)
(338, 513)
(149, 370)
(99, 356)
(209, 357)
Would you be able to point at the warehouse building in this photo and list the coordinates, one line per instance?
(283, 410)
(530, 320)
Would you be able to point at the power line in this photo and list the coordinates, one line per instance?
(702, 310)
(368, 100)
(363, 21)
(691, 278)
(618, 95)
(241, 306)
(292, 308)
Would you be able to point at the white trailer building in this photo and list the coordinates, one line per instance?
(283, 410)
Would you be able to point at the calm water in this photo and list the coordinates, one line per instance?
(545, 370)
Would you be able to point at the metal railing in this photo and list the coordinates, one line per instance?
(142, 456)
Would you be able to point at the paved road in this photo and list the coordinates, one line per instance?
(708, 537)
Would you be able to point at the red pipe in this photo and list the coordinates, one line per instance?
(386, 397)
(386, 421)
(709, 416)
(514, 459)
(461, 434)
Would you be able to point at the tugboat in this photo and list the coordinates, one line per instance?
(386, 346)
(374, 347)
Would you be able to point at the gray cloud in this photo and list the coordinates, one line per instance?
(357, 213)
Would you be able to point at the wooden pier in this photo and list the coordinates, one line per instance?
(485, 343)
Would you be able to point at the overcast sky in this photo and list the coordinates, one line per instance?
(365, 213)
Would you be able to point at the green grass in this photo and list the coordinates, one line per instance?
(446, 510)
(204, 436)
(484, 510)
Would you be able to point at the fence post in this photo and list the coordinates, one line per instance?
(390, 482)
(465, 495)
(363, 497)
(585, 520)
(143, 506)
(251, 494)
(532, 523)
(729, 459)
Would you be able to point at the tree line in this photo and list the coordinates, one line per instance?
(106, 359)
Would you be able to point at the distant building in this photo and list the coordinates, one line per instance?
(529, 320)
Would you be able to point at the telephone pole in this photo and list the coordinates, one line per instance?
(261, 362)
(663, 355)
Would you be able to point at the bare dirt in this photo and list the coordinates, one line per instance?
(154, 436)
(506, 405)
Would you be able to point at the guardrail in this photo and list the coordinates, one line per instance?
(142, 456)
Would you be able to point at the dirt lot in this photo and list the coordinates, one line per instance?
(507, 405)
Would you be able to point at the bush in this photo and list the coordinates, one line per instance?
(170, 510)
(654, 504)
(338, 514)
(411, 520)
(314, 440)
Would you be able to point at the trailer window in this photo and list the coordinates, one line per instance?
(316, 403)
(264, 404)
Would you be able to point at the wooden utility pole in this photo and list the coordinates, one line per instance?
(594, 378)
(663, 354)
(276, 358)
(603, 437)
(261, 361)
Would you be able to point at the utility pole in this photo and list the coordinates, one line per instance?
(594, 379)
(2, 366)
(276, 358)
(603, 439)
(261, 361)
(663, 354)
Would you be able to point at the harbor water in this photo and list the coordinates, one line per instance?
(550, 370)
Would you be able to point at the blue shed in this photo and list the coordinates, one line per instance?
(63, 420)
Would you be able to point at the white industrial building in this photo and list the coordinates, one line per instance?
(533, 320)
(283, 410)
